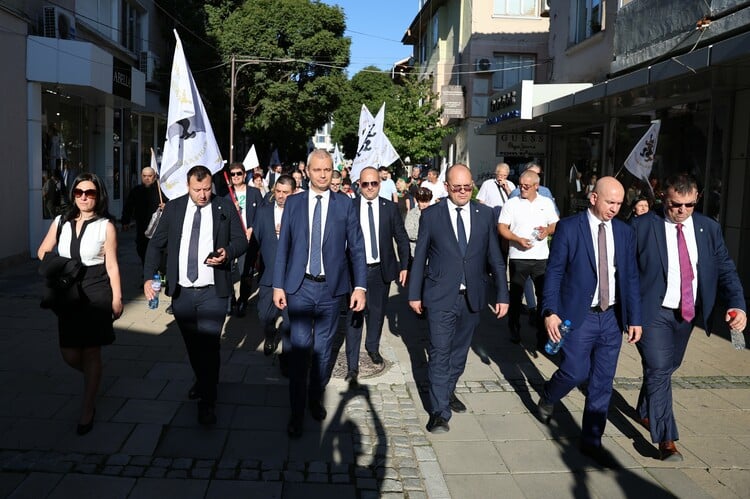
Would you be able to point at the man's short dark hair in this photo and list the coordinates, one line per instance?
(287, 180)
(384, 169)
(681, 183)
(199, 172)
(435, 171)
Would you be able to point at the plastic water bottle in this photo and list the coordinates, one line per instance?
(738, 337)
(156, 286)
(552, 347)
(535, 236)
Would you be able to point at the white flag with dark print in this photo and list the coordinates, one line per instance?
(374, 148)
(641, 158)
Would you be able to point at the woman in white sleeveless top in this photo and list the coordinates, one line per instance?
(86, 234)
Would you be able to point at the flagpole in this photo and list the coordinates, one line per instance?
(233, 83)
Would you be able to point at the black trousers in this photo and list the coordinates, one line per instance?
(520, 270)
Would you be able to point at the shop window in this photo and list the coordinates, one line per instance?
(509, 69)
(130, 26)
(585, 18)
(524, 8)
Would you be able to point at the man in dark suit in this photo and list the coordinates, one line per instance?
(381, 225)
(457, 242)
(592, 281)
(266, 230)
(320, 241)
(202, 235)
(142, 202)
(683, 262)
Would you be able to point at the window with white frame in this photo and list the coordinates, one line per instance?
(585, 18)
(509, 69)
(525, 8)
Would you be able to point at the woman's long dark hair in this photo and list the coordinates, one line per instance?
(101, 208)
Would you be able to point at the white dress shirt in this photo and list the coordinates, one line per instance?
(364, 222)
(594, 227)
(674, 290)
(311, 201)
(205, 246)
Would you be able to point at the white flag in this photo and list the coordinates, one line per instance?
(154, 165)
(251, 160)
(641, 158)
(374, 148)
(338, 158)
(190, 139)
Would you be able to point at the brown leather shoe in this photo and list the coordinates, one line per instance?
(645, 423)
(668, 452)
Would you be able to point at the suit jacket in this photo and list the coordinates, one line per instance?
(570, 278)
(716, 270)
(264, 230)
(227, 234)
(437, 266)
(390, 228)
(341, 233)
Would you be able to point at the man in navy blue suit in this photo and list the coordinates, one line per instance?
(456, 244)
(320, 240)
(266, 229)
(683, 263)
(381, 225)
(591, 280)
(202, 235)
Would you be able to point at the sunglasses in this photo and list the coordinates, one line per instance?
(90, 193)
(374, 183)
(680, 205)
(460, 188)
(237, 174)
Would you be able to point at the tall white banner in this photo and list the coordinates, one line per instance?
(641, 159)
(374, 148)
(190, 139)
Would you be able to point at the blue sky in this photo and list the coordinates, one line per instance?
(376, 28)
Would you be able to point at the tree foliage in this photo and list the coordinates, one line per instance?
(411, 121)
(293, 86)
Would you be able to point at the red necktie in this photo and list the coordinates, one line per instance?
(687, 303)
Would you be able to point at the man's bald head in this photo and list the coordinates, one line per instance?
(148, 176)
(607, 198)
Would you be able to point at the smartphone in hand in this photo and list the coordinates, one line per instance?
(213, 254)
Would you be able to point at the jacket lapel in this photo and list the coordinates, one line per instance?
(329, 222)
(585, 234)
(474, 220)
(660, 236)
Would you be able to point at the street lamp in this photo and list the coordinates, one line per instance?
(245, 61)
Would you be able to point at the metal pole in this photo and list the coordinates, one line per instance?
(231, 114)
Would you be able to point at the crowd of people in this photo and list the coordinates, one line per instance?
(317, 241)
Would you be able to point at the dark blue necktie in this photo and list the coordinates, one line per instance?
(462, 241)
(373, 237)
(315, 239)
(195, 233)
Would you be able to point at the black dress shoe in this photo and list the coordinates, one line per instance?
(545, 410)
(193, 393)
(83, 429)
(351, 377)
(455, 404)
(317, 411)
(437, 424)
(600, 456)
(294, 428)
(375, 357)
(206, 413)
(241, 308)
(269, 345)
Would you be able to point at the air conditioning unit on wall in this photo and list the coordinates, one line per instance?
(482, 64)
(58, 23)
(147, 64)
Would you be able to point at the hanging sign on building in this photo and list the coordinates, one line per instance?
(122, 79)
(521, 144)
(452, 100)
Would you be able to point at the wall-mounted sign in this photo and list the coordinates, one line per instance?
(122, 79)
(521, 144)
(452, 99)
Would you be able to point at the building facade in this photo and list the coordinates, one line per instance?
(83, 95)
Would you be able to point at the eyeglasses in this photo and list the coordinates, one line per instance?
(526, 186)
(372, 184)
(680, 205)
(237, 174)
(461, 188)
(90, 193)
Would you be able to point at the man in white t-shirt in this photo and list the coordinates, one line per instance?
(495, 192)
(433, 184)
(525, 222)
(387, 186)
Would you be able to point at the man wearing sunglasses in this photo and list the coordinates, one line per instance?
(683, 263)
(457, 243)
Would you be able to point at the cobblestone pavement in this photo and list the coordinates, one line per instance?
(146, 442)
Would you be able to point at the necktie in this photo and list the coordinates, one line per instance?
(603, 268)
(315, 239)
(192, 260)
(461, 230)
(373, 236)
(687, 304)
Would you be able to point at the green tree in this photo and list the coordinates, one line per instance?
(294, 86)
(411, 121)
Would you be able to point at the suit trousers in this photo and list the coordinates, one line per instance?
(589, 353)
(520, 272)
(313, 317)
(373, 314)
(246, 265)
(269, 314)
(662, 348)
(200, 316)
(451, 332)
